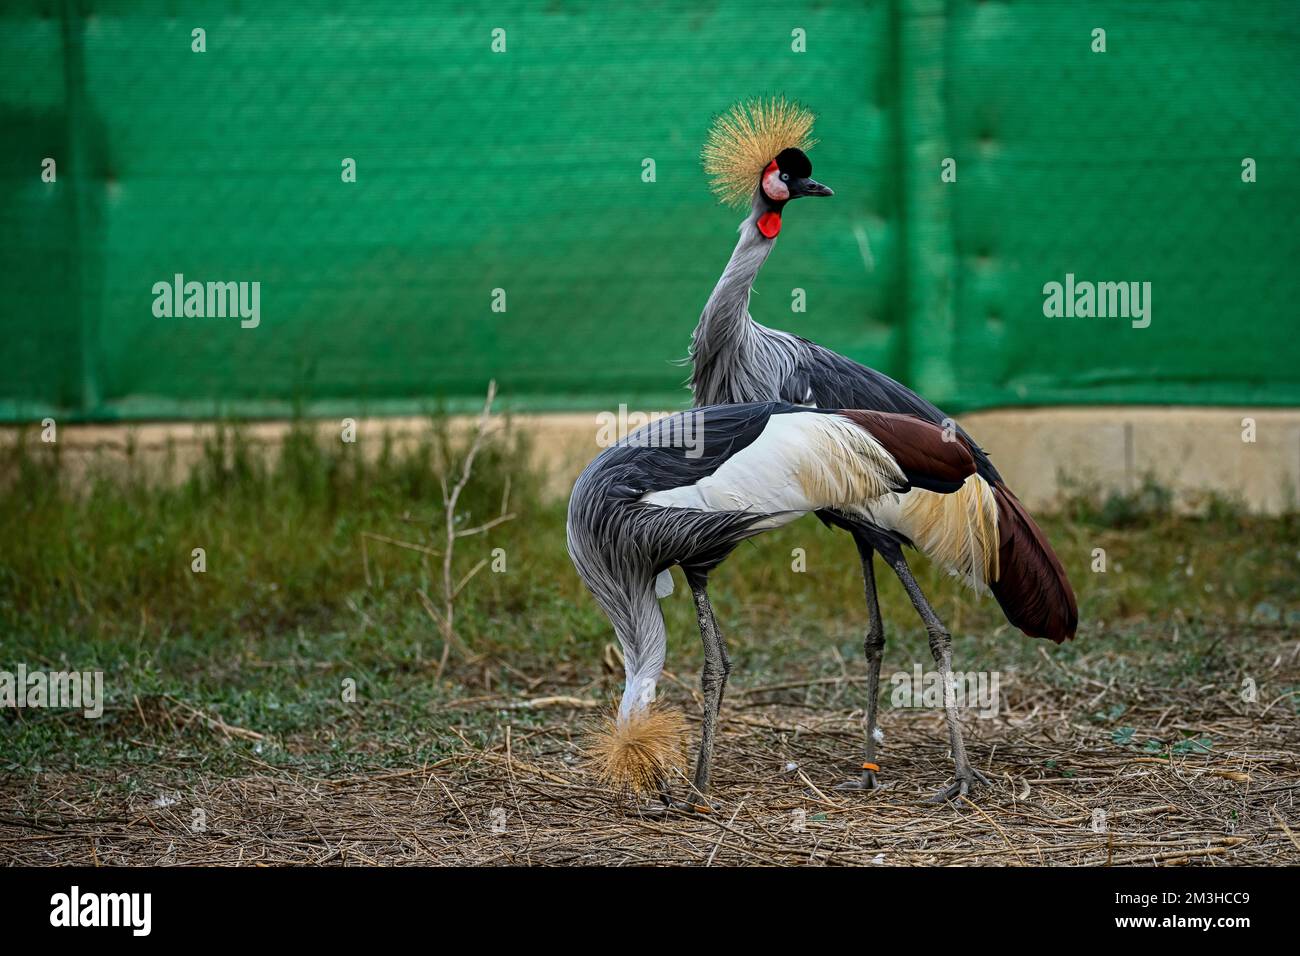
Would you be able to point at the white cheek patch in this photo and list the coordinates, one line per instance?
(773, 186)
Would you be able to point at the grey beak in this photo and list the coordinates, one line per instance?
(813, 188)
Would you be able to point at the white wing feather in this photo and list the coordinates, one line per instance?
(801, 462)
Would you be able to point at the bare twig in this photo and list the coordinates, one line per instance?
(409, 545)
(443, 611)
(451, 588)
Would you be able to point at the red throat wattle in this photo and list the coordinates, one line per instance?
(769, 224)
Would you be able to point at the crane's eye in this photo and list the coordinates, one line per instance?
(785, 177)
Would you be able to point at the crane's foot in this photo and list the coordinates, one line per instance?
(867, 781)
(964, 784)
(691, 806)
(668, 806)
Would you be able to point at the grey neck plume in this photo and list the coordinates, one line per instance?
(725, 324)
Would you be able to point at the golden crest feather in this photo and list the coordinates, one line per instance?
(638, 755)
(746, 138)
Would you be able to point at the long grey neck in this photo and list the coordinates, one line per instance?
(725, 324)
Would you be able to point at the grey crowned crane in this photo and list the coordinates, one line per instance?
(755, 155)
(687, 489)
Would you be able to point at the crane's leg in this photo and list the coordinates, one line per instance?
(874, 645)
(941, 647)
(713, 681)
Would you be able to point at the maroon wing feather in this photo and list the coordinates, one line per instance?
(918, 446)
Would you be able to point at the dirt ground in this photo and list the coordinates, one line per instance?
(1065, 792)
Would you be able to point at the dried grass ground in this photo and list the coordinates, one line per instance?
(224, 689)
(528, 800)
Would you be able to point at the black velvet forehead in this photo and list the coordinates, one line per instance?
(795, 163)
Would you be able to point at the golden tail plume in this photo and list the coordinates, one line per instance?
(958, 531)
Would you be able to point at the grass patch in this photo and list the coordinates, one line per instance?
(96, 574)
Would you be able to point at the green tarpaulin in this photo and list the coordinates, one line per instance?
(525, 170)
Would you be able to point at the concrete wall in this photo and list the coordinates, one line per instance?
(1189, 450)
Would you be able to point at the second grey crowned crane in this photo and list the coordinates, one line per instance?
(686, 490)
(756, 156)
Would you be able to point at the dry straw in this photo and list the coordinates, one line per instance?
(1052, 764)
(1234, 805)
